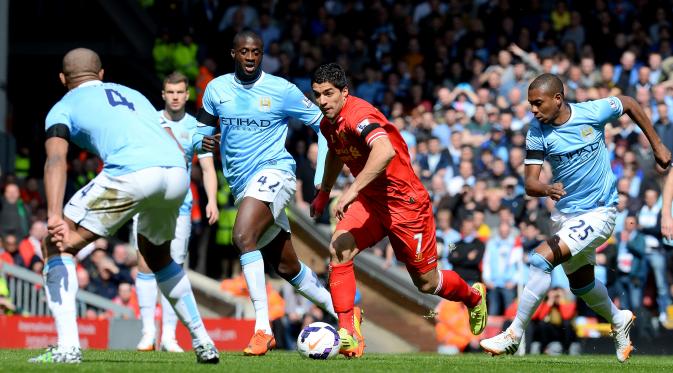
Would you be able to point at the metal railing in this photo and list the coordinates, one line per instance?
(26, 292)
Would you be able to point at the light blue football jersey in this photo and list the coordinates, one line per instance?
(185, 131)
(118, 124)
(253, 122)
(578, 155)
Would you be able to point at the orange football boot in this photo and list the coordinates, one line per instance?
(260, 343)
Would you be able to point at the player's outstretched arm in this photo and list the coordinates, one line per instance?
(535, 188)
(666, 218)
(637, 114)
(210, 185)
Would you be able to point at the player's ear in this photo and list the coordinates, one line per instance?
(61, 77)
(345, 91)
(233, 53)
(100, 74)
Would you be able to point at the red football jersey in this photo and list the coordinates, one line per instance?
(350, 138)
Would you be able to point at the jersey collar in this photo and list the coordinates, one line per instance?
(90, 83)
(248, 85)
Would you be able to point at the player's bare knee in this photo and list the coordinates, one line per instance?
(244, 240)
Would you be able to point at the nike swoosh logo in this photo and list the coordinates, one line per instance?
(223, 101)
(311, 346)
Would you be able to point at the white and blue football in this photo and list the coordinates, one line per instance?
(318, 341)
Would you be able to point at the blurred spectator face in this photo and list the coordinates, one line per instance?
(444, 219)
(467, 227)
(12, 193)
(444, 96)
(428, 120)
(659, 93)
(9, 243)
(651, 197)
(587, 65)
(499, 167)
(450, 117)
(486, 158)
(504, 58)
(623, 185)
(38, 230)
(547, 65)
(82, 278)
(628, 60)
(247, 54)
(504, 229)
(630, 224)
(494, 80)
(125, 292)
(622, 201)
(465, 169)
(516, 157)
(434, 147)
(644, 75)
(662, 110)
(483, 95)
(575, 74)
(101, 243)
(456, 139)
(120, 253)
(494, 200)
(629, 157)
(607, 72)
(467, 154)
(37, 267)
(654, 61)
(514, 96)
(530, 231)
(437, 185)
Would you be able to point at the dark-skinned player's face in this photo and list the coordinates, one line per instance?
(247, 55)
(544, 105)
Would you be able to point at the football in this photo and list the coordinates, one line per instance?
(318, 341)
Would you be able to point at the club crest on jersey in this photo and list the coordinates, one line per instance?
(265, 104)
(613, 104)
(587, 132)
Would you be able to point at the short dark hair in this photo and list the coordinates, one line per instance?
(247, 34)
(331, 73)
(549, 83)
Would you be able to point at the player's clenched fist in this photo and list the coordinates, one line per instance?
(209, 143)
(662, 155)
(555, 191)
(319, 202)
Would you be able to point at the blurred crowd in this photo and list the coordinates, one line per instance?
(452, 76)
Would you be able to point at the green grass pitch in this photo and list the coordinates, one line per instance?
(289, 362)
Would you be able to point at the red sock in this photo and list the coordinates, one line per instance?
(342, 288)
(453, 287)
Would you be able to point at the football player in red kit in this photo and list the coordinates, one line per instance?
(385, 199)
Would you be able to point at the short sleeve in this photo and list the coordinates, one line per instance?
(298, 106)
(606, 109)
(534, 146)
(59, 114)
(208, 101)
(197, 139)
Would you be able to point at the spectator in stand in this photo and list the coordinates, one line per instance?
(452, 328)
(503, 259)
(468, 253)
(14, 215)
(552, 322)
(30, 247)
(126, 297)
(11, 251)
(631, 264)
(435, 160)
